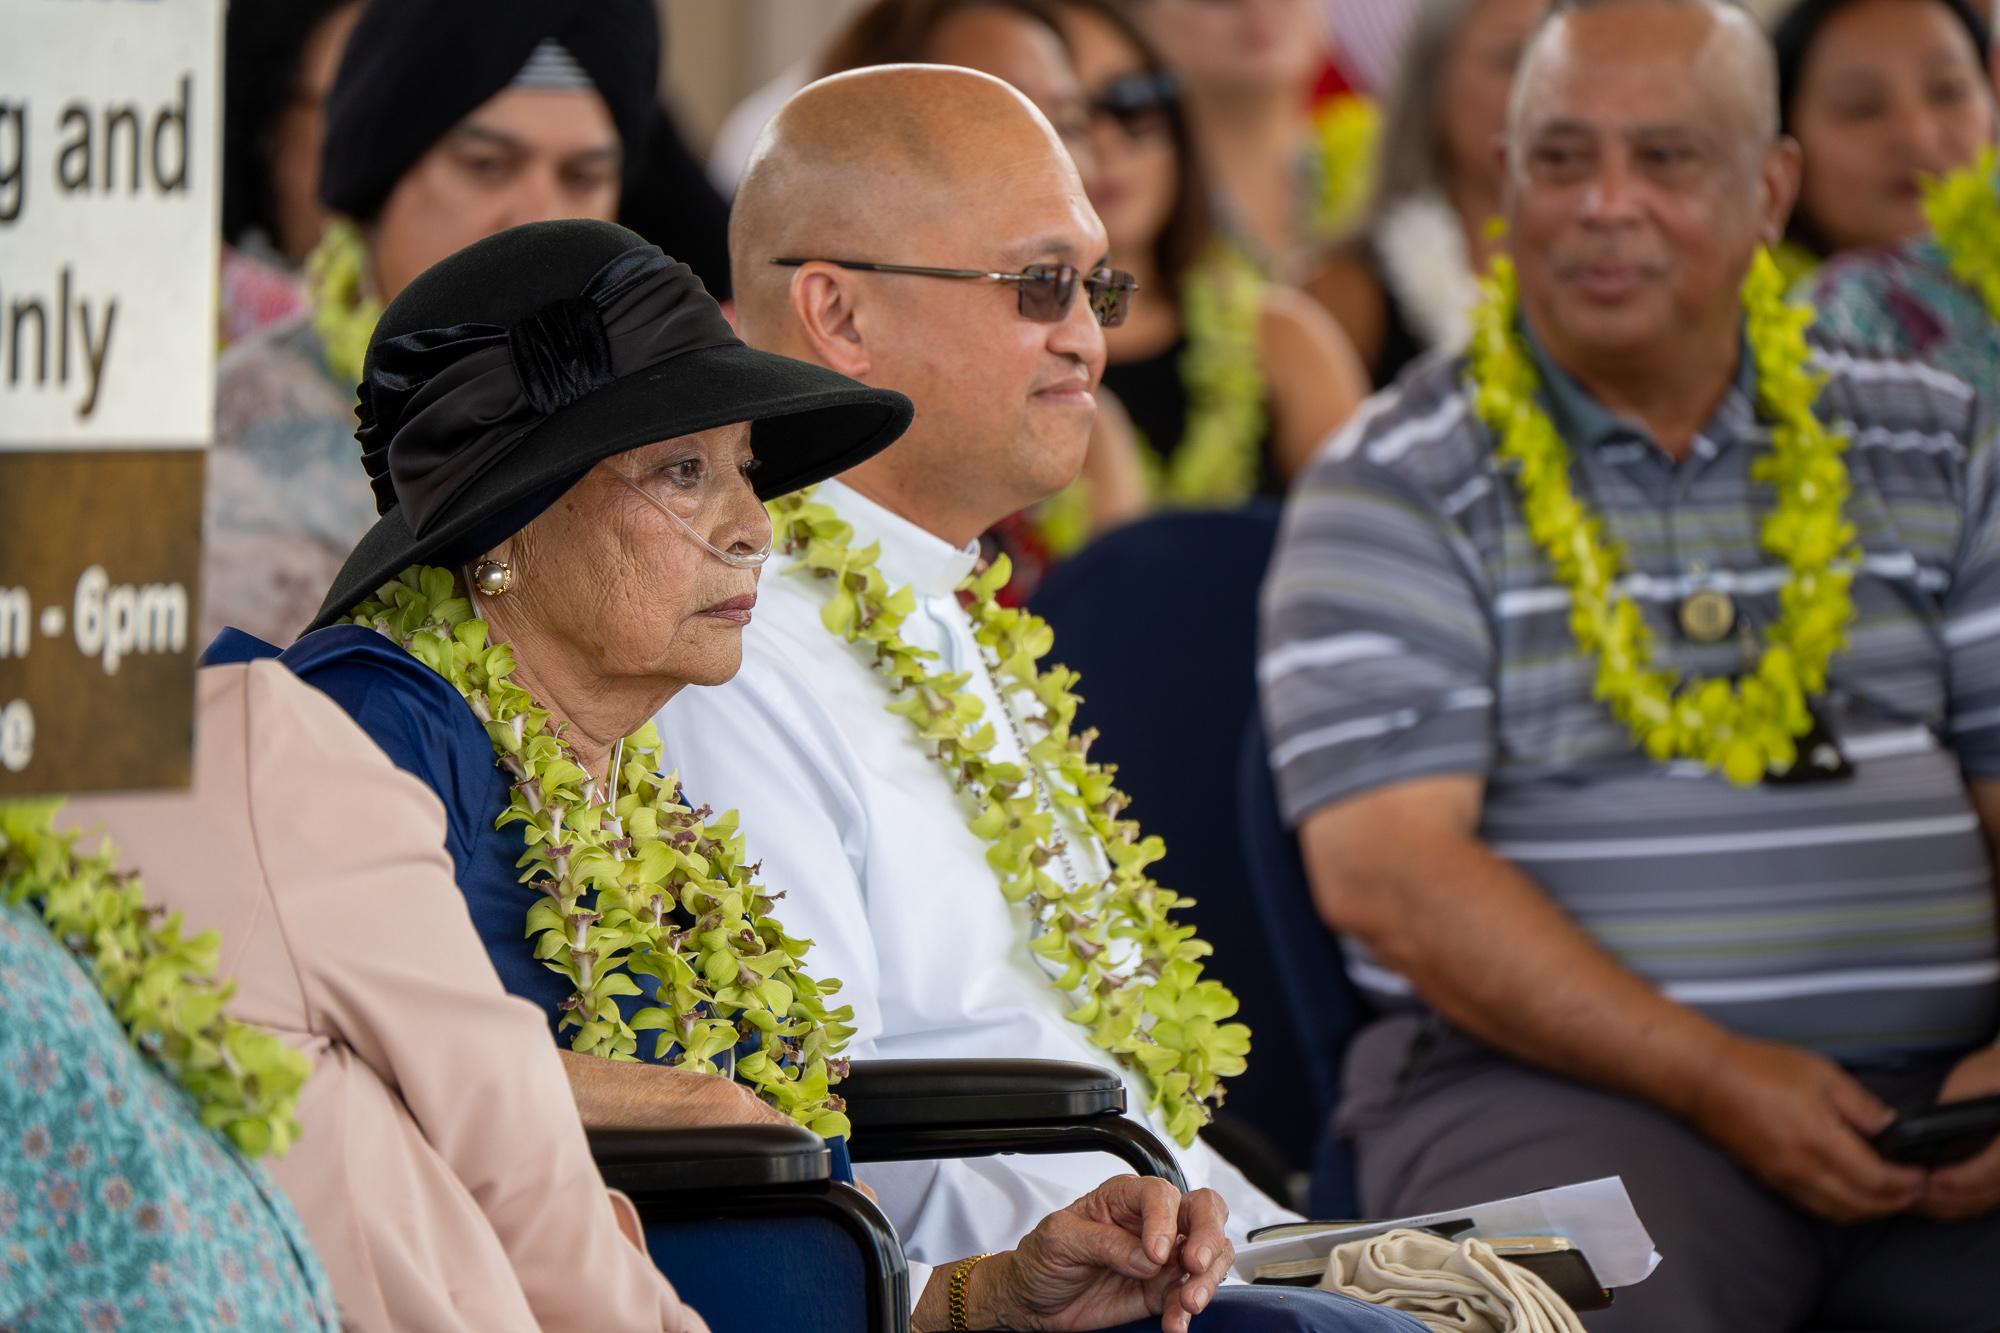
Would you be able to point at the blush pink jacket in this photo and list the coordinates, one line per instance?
(442, 1172)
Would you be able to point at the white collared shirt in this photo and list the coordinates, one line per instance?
(857, 825)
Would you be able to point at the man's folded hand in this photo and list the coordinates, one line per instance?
(1801, 1123)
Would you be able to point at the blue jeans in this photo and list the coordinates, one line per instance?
(1238, 1309)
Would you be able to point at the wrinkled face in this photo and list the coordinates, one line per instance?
(619, 588)
(1004, 403)
(1636, 194)
(300, 130)
(1239, 45)
(1478, 79)
(1137, 176)
(525, 155)
(1889, 92)
(1018, 50)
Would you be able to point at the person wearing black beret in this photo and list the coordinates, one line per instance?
(448, 121)
(452, 119)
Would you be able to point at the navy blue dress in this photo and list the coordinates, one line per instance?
(426, 728)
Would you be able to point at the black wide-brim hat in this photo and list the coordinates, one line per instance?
(505, 372)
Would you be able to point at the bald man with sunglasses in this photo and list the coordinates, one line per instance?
(921, 227)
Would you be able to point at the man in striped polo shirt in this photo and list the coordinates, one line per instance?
(1590, 962)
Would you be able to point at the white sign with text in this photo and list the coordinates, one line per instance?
(109, 145)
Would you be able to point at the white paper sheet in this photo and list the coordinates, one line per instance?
(1596, 1217)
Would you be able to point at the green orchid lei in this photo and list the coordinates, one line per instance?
(1132, 974)
(1215, 463)
(1752, 728)
(344, 312)
(636, 884)
(1346, 129)
(161, 985)
(1064, 519)
(1964, 213)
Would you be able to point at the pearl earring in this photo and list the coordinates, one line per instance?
(492, 577)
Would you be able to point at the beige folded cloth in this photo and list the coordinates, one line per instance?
(1452, 1287)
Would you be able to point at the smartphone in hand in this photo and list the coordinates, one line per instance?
(1941, 1135)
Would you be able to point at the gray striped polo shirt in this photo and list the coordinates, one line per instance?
(1412, 629)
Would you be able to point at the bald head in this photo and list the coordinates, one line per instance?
(936, 167)
(1714, 44)
(876, 163)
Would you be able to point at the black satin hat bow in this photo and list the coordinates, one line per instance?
(440, 407)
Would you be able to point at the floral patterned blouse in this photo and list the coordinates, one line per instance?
(118, 1210)
(1905, 302)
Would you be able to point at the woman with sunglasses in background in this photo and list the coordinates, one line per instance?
(1231, 381)
(1403, 283)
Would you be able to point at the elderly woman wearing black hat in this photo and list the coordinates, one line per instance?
(570, 450)
(556, 424)
(448, 120)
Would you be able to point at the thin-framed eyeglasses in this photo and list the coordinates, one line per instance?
(734, 559)
(1045, 290)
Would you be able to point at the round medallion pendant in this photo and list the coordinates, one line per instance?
(1707, 615)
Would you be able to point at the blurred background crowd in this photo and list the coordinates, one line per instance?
(1303, 189)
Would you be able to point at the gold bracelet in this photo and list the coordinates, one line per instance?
(960, 1272)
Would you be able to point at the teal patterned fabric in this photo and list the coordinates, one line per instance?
(117, 1209)
(1905, 303)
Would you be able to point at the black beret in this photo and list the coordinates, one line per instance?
(415, 68)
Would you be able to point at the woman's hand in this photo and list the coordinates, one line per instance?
(1130, 1248)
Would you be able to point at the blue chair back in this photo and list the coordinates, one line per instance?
(1306, 962)
(1160, 617)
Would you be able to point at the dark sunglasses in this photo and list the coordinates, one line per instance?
(1139, 103)
(1045, 290)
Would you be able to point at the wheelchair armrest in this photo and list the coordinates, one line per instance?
(937, 1093)
(921, 1110)
(771, 1174)
(734, 1157)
